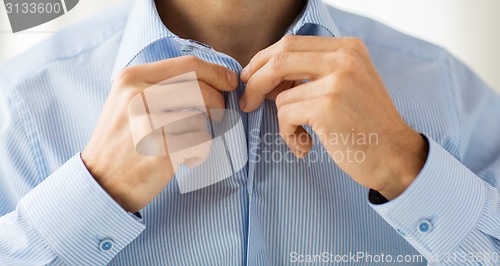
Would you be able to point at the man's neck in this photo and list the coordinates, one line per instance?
(239, 28)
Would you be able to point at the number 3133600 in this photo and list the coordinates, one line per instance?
(33, 8)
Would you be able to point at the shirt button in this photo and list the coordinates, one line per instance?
(187, 48)
(106, 245)
(424, 226)
(400, 232)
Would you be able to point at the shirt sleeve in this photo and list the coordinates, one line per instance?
(451, 211)
(66, 216)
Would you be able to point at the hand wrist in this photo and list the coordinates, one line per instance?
(408, 168)
(112, 190)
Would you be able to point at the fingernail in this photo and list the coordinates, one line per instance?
(242, 103)
(244, 73)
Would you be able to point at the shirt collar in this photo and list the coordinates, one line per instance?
(315, 13)
(145, 27)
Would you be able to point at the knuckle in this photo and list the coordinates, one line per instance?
(219, 74)
(356, 42)
(331, 83)
(329, 102)
(259, 57)
(190, 60)
(127, 84)
(346, 60)
(288, 42)
(358, 45)
(350, 63)
(128, 75)
(278, 60)
(214, 72)
(281, 99)
(334, 90)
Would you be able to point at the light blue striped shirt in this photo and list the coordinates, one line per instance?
(272, 212)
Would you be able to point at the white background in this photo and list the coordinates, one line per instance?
(469, 29)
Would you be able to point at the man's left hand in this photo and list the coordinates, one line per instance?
(344, 96)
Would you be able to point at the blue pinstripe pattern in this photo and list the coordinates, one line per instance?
(52, 212)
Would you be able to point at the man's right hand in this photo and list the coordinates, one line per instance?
(132, 179)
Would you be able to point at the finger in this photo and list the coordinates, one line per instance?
(283, 67)
(285, 85)
(214, 102)
(291, 118)
(305, 91)
(273, 95)
(162, 98)
(191, 148)
(293, 43)
(192, 123)
(174, 121)
(302, 141)
(187, 144)
(215, 75)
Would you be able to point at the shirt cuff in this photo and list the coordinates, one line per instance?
(440, 208)
(77, 219)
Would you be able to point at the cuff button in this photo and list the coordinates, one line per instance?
(106, 245)
(424, 226)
